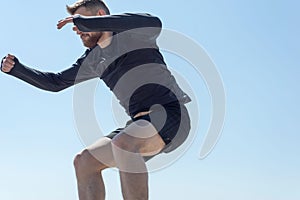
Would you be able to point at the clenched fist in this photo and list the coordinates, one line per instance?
(8, 63)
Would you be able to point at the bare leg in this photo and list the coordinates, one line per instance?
(89, 165)
(125, 151)
(128, 151)
(135, 185)
(91, 187)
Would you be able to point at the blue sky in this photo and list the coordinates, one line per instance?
(255, 45)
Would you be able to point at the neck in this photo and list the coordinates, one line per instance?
(105, 39)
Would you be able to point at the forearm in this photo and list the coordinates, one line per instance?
(83, 69)
(43, 80)
(116, 23)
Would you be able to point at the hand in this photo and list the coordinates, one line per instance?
(63, 22)
(8, 63)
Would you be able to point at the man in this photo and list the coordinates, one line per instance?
(122, 51)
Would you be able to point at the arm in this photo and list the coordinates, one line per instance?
(44, 80)
(115, 23)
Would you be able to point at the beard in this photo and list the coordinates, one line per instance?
(90, 39)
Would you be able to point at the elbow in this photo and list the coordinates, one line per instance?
(151, 29)
(55, 89)
(152, 20)
(158, 23)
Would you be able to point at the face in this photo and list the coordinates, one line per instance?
(89, 39)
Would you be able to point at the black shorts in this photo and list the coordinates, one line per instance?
(171, 121)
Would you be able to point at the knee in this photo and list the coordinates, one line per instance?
(81, 158)
(85, 161)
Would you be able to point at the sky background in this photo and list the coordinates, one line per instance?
(255, 46)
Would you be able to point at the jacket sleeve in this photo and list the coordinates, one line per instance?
(49, 81)
(119, 23)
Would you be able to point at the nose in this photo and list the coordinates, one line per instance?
(78, 32)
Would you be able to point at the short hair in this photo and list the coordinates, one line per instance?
(91, 5)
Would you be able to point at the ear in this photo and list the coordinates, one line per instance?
(101, 12)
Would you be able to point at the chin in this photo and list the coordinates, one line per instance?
(88, 45)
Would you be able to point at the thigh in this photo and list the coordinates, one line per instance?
(102, 151)
(139, 137)
(172, 123)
